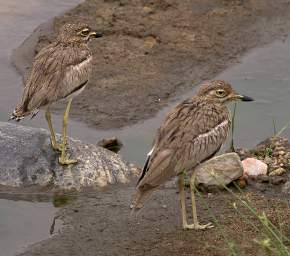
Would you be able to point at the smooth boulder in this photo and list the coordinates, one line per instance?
(219, 171)
(26, 158)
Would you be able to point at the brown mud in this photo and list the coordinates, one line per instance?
(155, 50)
(99, 223)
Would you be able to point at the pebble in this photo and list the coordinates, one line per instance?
(147, 10)
(254, 167)
(268, 160)
(277, 172)
(286, 188)
(242, 182)
(219, 171)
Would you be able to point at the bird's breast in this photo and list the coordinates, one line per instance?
(84, 66)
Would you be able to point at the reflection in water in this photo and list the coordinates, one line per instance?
(23, 223)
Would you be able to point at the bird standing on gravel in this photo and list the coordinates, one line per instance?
(60, 71)
(191, 133)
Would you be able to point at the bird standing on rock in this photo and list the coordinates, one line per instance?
(192, 132)
(60, 71)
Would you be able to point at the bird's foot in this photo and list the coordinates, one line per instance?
(56, 147)
(198, 226)
(67, 161)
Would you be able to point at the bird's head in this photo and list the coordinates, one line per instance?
(221, 92)
(77, 33)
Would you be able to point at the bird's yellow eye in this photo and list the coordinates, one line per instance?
(85, 32)
(220, 93)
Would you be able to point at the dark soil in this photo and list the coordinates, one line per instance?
(99, 223)
(155, 49)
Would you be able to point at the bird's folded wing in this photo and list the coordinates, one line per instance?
(182, 144)
(159, 170)
(44, 84)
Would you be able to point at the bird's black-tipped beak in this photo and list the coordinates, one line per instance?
(246, 98)
(96, 34)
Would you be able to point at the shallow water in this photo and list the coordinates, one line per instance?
(21, 222)
(263, 74)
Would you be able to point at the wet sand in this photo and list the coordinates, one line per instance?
(99, 224)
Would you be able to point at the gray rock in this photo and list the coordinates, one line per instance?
(219, 171)
(26, 158)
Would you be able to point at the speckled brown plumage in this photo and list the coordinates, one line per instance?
(191, 133)
(60, 71)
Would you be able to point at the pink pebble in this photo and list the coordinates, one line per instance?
(254, 167)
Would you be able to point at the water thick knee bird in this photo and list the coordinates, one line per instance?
(60, 71)
(192, 132)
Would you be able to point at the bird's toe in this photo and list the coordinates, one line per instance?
(67, 161)
(56, 147)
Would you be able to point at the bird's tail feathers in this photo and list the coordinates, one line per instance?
(141, 195)
(18, 114)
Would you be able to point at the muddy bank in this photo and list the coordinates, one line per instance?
(154, 50)
(99, 223)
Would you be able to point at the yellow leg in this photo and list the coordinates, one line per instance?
(64, 160)
(182, 199)
(54, 143)
(195, 224)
